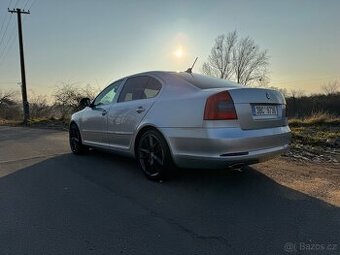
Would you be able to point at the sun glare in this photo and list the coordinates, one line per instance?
(179, 52)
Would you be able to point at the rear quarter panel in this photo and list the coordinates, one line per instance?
(179, 105)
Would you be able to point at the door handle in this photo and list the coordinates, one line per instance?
(104, 112)
(140, 109)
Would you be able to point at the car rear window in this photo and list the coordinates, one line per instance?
(206, 82)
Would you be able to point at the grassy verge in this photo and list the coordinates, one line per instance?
(320, 119)
(52, 123)
(316, 138)
(61, 124)
(321, 129)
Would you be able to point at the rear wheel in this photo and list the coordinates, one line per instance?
(75, 140)
(153, 155)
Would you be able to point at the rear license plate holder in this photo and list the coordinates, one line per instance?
(264, 111)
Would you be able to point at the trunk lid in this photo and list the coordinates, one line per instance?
(258, 108)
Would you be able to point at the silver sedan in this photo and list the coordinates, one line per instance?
(169, 119)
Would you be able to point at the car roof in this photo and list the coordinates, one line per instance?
(194, 78)
(198, 80)
(206, 82)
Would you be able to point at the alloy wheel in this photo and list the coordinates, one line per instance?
(151, 155)
(74, 139)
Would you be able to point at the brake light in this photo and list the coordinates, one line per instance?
(220, 106)
(284, 108)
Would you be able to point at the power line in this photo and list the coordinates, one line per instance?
(4, 28)
(4, 15)
(10, 2)
(9, 18)
(11, 37)
(5, 31)
(16, 3)
(3, 24)
(7, 49)
(32, 4)
(26, 4)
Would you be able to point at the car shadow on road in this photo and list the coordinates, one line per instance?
(228, 210)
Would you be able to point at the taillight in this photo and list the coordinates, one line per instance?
(284, 108)
(220, 106)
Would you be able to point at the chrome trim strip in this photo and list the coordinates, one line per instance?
(120, 132)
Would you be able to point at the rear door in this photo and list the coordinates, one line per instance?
(134, 101)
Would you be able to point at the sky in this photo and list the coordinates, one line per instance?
(98, 41)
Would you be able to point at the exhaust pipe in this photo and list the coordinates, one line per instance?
(237, 167)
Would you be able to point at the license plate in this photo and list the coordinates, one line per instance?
(265, 111)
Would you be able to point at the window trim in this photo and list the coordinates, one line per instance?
(114, 100)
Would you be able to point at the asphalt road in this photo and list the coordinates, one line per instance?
(53, 202)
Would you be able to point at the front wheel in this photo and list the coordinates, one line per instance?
(75, 140)
(153, 155)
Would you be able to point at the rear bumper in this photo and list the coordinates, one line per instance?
(223, 147)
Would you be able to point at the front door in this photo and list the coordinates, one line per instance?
(95, 118)
(94, 125)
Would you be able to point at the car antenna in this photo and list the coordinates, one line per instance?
(189, 70)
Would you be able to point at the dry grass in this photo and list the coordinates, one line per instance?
(316, 138)
(316, 130)
(319, 118)
(52, 123)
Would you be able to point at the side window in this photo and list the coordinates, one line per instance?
(108, 94)
(139, 88)
(133, 89)
(152, 88)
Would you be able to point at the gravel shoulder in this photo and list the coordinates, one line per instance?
(319, 180)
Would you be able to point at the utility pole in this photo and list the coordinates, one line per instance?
(22, 64)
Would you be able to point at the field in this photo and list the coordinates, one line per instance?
(316, 138)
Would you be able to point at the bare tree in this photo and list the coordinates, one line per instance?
(39, 107)
(7, 97)
(331, 88)
(9, 107)
(238, 60)
(249, 63)
(283, 91)
(220, 60)
(297, 93)
(68, 96)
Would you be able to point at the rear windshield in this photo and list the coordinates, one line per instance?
(206, 82)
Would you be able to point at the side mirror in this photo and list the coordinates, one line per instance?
(84, 102)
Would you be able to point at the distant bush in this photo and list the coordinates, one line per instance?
(67, 98)
(9, 108)
(39, 108)
(305, 106)
(11, 111)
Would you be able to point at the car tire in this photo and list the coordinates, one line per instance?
(76, 144)
(154, 156)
